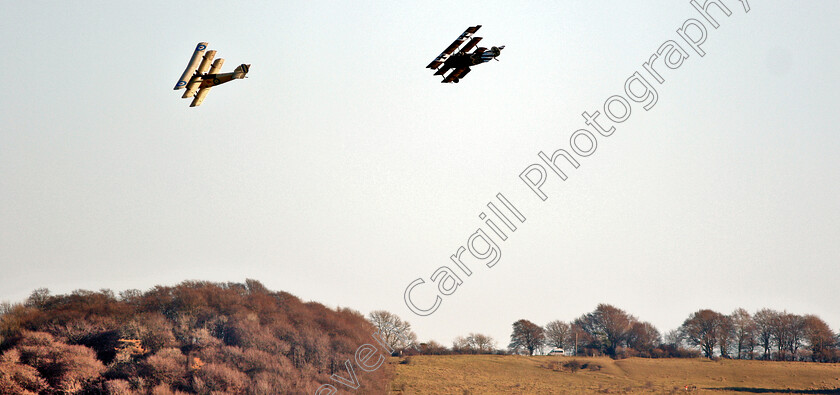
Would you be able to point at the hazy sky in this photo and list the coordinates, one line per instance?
(341, 170)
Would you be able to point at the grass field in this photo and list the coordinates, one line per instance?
(511, 374)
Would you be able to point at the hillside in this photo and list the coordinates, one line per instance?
(196, 337)
(513, 374)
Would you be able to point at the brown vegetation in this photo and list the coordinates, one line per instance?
(197, 337)
(613, 332)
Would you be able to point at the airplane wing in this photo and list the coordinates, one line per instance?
(217, 66)
(456, 75)
(199, 50)
(199, 98)
(202, 93)
(195, 81)
(454, 46)
(470, 45)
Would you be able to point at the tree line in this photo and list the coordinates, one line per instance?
(767, 334)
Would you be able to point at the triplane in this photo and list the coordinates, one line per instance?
(461, 61)
(197, 77)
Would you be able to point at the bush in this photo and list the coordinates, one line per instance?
(118, 387)
(16, 378)
(66, 368)
(167, 366)
(572, 366)
(221, 378)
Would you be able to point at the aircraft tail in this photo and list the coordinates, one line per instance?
(241, 70)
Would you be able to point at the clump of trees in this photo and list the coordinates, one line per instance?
(474, 343)
(196, 337)
(608, 330)
(768, 334)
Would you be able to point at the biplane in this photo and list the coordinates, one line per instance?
(198, 78)
(459, 62)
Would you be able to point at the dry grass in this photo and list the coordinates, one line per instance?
(508, 374)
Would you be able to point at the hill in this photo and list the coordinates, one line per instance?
(514, 374)
(196, 337)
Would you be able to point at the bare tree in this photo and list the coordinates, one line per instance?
(474, 343)
(395, 332)
(743, 331)
(38, 298)
(557, 334)
(673, 337)
(577, 337)
(787, 330)
(482, 344)
(819, 337)
(607, 327)
(797, 334)
(6, 308)
(702, 329)
(763, 320)
(726, 332)
(643, 337)
(526, 335)
(461, 345)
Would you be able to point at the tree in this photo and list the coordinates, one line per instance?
(703, 329)
(796, 327)
(643, 337)
(577, 337)
(726, 332)
(482, 344)
(475, 343)
(673, 337)
(526, 335)
(607, 327)
(38, 298)
(395, 332)
(743, 330)
(17, 378)
(557, 334)
(787, 330)
(461, 345)
(433, 348)
(763, 320)
(819, 338)
(66, 368)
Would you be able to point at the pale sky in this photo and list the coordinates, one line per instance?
(342, 170)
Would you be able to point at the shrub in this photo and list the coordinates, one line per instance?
(66, 368)
(216, 377)
(167, 366)
(18, 378)
(118, 387)
(572, 366)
